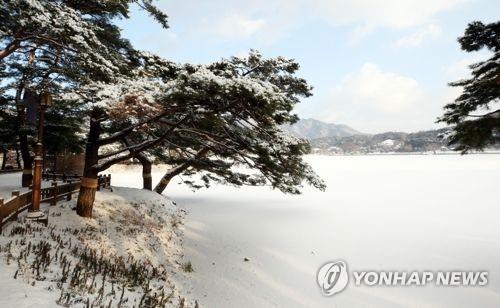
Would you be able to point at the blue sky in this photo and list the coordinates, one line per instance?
(375, 65)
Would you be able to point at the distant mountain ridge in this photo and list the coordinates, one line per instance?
(332, 138)
(313, 129)
(423, 141)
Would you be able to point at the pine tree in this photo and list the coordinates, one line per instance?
(64, 131)
(231, 109)
(53, 46)
(8, 139)
(476, 126)
(248, 136)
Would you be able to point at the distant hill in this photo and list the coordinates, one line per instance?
(431, 140)
(313, 129)
(328, 138)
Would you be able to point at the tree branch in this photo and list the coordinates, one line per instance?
(495, 113)
(120, 135)
(10, 48)
(140, 147)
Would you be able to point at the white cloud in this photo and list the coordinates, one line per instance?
(359, 33)
(432, 31)
(382, 13)
(234, 19)
(374, 100)
(236, 26)
(373, 88)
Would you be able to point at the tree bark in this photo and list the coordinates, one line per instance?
(55, 163)
(27, 176)
(170, 174)
(4, 158)
(18, 159)
(86, 196)
(88, 188)
(12, 47)
(147, 181)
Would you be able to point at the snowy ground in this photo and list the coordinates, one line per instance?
(128, 255)
(412, 212)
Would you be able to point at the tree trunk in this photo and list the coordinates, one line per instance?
(4, 158)
(27, 160)
(86, 196)
(44, 159)
(18, 159)
(88, 188)
(55, 163)
(165, 180)
(169, 175)
(147, 181)
(27, 177)
(9, 49)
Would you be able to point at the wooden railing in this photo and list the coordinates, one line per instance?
(10, 209)
(47, 176)
(10, 170)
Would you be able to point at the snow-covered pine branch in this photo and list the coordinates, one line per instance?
(474, 113)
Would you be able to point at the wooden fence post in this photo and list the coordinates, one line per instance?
(15, 194)
(54, 194)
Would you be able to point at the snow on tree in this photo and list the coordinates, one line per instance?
(231, 109)
(245, 146)
(54, 46)
(481, 93)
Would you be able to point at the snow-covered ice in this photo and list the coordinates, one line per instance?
(403, 212)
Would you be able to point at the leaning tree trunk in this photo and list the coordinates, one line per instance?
(89, 183)
(165, 180)
(169, 175)
(147, 181)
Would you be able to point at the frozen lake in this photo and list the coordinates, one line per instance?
(412, 212)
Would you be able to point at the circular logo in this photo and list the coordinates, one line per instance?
(332, 277)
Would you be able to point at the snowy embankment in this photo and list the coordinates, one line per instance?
(128, 255)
